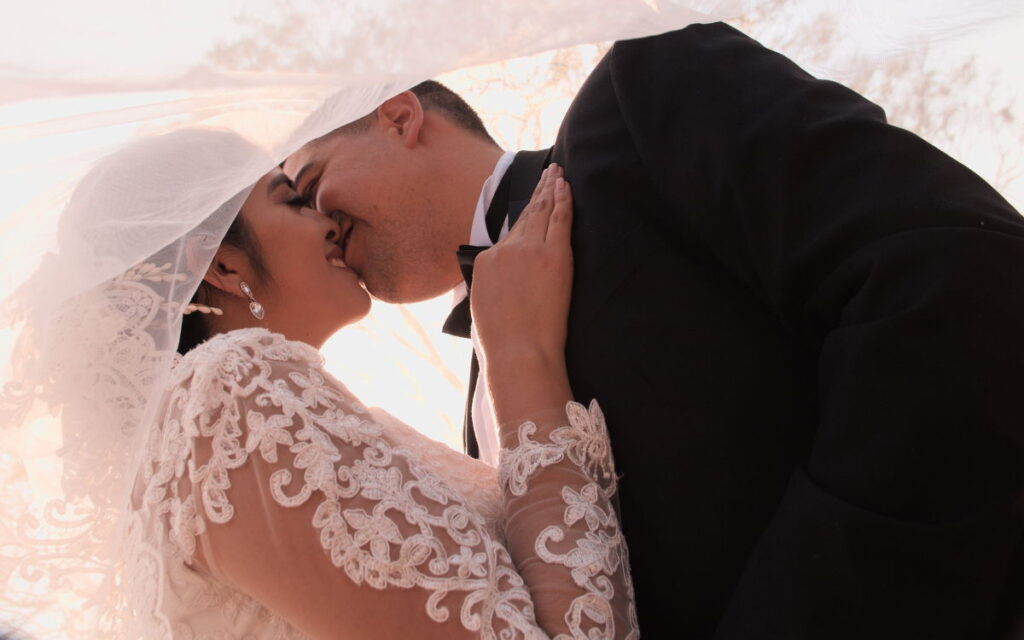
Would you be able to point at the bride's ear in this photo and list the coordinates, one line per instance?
(227, 270)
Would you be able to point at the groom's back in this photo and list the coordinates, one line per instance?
(768, 485)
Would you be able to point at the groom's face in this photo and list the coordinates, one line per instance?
(378, 190)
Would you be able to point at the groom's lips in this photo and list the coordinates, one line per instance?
(344, 243)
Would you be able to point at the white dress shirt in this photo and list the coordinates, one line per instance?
(484, 423)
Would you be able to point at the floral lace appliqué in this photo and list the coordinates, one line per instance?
(383, 518)
(599, 555)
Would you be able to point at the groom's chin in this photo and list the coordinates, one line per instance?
(384, 290)
(408, 292)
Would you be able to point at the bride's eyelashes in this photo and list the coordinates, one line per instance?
(288, 195)
(309, 193)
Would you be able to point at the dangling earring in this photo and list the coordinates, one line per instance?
(254, 307)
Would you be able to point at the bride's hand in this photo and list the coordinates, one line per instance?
(521, 286)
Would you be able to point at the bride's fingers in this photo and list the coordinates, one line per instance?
(540, 183)
(560, 226)
(519, 230)
(542, 204)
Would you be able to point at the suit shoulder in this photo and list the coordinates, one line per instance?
(695, 37)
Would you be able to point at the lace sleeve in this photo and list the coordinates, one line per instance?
(562, 528)
(289, 491)
(298, 498)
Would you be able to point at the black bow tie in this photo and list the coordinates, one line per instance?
(510, 198)
(460, 320)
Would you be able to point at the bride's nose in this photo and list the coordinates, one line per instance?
(333, 228)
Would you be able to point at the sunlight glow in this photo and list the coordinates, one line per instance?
(396, 359)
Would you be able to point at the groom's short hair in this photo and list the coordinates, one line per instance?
(436, 97)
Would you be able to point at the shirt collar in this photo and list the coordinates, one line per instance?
(478, 233)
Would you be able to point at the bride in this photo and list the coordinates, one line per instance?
(264, 500)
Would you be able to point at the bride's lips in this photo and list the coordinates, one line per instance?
(335, 257)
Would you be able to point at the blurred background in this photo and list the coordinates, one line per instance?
(70, 93)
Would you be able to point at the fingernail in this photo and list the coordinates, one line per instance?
(560, 184)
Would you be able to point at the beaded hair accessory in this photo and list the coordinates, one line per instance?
(193, 307)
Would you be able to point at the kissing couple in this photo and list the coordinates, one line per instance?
(747, 364)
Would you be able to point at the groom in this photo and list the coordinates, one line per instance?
(804, 326)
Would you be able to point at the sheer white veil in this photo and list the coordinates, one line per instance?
(100, 321)
(133, 132)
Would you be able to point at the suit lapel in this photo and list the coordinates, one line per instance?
(523, 177)
(510, 198)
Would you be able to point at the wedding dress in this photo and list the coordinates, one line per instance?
(272, 504)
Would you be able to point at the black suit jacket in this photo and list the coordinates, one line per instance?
(804, 326)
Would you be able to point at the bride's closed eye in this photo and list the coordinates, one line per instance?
(282, 190)
(309, 193)
(296, 200)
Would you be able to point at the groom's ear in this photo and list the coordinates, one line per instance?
(226, 271)
(402, 116)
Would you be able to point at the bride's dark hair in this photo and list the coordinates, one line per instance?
(195, 327)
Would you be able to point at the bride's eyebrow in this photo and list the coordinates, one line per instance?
(276, 182)
(301, 172)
